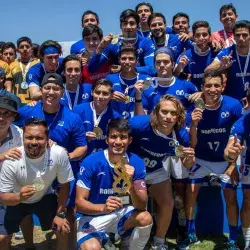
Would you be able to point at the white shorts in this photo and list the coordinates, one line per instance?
(158, 176)
(97, 227)
(178, 171)
(2, 214)
(245, 176)
(201, 169)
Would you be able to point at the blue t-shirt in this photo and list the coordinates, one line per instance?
(85, 112)
(242, 129)
(197, 65)
(179, 88)
(172, 41)
(234, 86)
(153, 148)
(145, 49)
(96, 175)
(120, 84)
(78, 47)
(214, 128)
(84, 95)
(36, 73)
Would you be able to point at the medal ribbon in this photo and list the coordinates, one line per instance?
(227, 39)
(243, 74)
(45, 164)
(127, 87)
(24, 72)
(68, 96)
(97, 120)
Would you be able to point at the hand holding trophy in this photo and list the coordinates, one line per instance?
(122, 181)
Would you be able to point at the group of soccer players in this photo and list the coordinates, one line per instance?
(167, 107)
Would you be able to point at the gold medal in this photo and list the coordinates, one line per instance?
(200, 104)
(98, 131)
(39, 184)
(127, 98)
(179, 151)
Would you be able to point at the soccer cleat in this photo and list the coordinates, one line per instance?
(159, 247)
(191, 239)
(232, 245)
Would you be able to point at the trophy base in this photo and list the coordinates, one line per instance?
(126, 200)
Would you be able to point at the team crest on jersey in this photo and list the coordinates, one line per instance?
(85, 96)
(81, 170)
(30, 76)
(225, 114)
(50, 162)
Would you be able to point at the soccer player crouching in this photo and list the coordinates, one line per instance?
(100, 210)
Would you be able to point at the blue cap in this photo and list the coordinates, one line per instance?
(166, 50)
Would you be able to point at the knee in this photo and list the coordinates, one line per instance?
(90, 246)
(231, 200)
(246, 202)
(167, 204)
(144, 219)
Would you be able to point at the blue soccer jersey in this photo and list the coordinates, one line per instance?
(172, 41)
(179, 88)
(120, 84)
(65, 127)
(152, 147)
(197, 64)
(85, 112)
(96, 175)
(143, 33)
(242, 129)
(235, 87)
(145, 49)
(83, 95)
(214, 128)
(36, 73)
(78, 47)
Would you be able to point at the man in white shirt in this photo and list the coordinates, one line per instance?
(10, 139)
(25, 184)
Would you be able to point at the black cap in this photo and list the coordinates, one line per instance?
(7, 102)
(57, 79)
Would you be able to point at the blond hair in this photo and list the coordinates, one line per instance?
(181, 114)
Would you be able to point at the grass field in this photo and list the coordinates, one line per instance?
(207, 243)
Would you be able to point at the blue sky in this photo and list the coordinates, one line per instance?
(61, 19)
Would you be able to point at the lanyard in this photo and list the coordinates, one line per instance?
(69, 99)
(53, 118)
(227, 39)
(127, 87)
(176, 143)
(155, 81)
(243, 74)
(39, 173)
(140, 30)
(46, 72)
(97, 120)
(24, 72)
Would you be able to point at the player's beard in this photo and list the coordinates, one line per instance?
(34, 152)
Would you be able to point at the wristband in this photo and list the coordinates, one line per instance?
(138, 100)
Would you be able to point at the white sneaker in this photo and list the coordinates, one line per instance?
(159, 247)
(19, 235)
